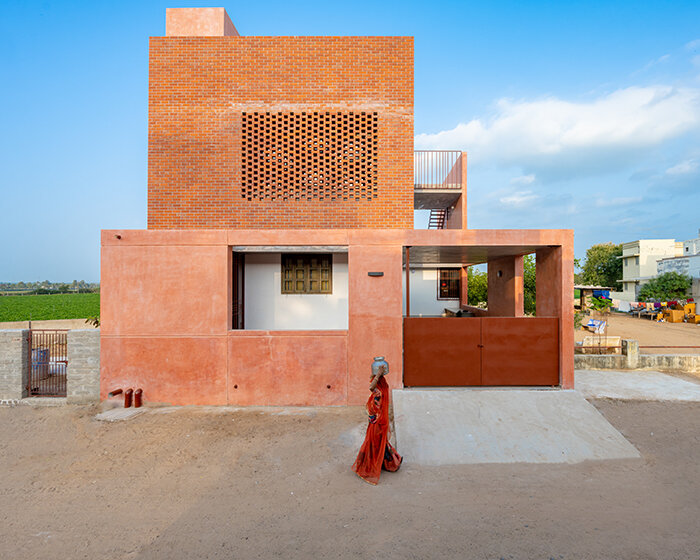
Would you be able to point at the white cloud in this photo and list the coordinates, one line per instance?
(692, 45)
(684, 167)
(518, 198)
(619, 201)
(653, 63)
(574, 136)
(523, 179)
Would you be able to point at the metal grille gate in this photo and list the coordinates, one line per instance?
(48, 363)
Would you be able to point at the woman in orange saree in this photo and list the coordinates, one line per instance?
(376, 451)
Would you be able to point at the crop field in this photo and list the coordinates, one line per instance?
(48, 307)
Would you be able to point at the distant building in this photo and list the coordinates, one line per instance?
(639, 263)
(687, 263)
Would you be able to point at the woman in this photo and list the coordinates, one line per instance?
(376, 451)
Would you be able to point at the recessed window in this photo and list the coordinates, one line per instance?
(307, 274)
(448, 283)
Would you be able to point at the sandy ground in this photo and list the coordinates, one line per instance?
(648, 332)
(222, 483)
(53, 324)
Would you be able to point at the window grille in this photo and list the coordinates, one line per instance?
(307, 274)
(448, 283)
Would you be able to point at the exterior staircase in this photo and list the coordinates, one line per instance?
(438, 218)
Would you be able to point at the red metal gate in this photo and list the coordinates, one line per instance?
(48, 363)
(480, 351)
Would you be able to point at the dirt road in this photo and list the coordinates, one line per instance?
(218, 483)
(650, 333)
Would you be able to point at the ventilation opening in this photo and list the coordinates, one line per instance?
(309, 156)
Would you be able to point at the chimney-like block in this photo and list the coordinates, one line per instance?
(198, 22)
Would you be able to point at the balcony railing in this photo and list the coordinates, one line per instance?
(437, 169)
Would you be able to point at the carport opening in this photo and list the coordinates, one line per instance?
(488, 335)
(470, 281)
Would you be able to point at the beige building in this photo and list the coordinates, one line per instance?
(639, 263)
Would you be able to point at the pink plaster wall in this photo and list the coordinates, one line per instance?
(555, 286)
(293, 368)
(458, 216)
(173, 370)
(376, 323)
(505, 292)
(166, 314)
(167, 289)
(198, 22)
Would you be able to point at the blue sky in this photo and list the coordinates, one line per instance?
(575, 115)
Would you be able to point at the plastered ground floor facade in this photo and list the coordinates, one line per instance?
(167, 296)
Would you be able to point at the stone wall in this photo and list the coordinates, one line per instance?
(14, 357)
(632, 359)
(83, 382)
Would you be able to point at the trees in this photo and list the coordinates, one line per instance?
(478, 284)
(529, 281)
(671, 285)
(601, 266)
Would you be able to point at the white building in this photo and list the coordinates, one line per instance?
(687, 263)
(639, 263)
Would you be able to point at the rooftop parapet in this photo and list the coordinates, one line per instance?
(199, 22)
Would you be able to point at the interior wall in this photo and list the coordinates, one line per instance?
(266, 308)
(424, 294)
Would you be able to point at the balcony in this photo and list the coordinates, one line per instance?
(439, 178)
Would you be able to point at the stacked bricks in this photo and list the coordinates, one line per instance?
(83, 381)
(199, 88)
(14, 363)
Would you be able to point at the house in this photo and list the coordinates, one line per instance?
(280, 255)
(688, 263)
(639, 260)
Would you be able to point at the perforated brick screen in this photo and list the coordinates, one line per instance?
(306, 156)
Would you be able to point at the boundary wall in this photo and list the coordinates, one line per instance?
(632, 359)
(83, 374)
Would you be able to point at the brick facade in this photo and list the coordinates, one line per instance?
(201, 86)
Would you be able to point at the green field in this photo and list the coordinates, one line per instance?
(47, 307)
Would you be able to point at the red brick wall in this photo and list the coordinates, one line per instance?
(198, 88)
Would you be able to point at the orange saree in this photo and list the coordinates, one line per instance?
(376, 451)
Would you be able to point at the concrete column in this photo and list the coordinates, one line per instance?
(83, 381)
(375, 322)
(505, 286)
(463, 198)
(463, 286)
(14, 363)
(630, 349)
(458, 215)
(555, 293)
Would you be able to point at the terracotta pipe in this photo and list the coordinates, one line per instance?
(137, 398)
(114, 393)
(127, 397)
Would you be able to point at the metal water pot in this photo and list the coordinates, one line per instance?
(380, 366)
